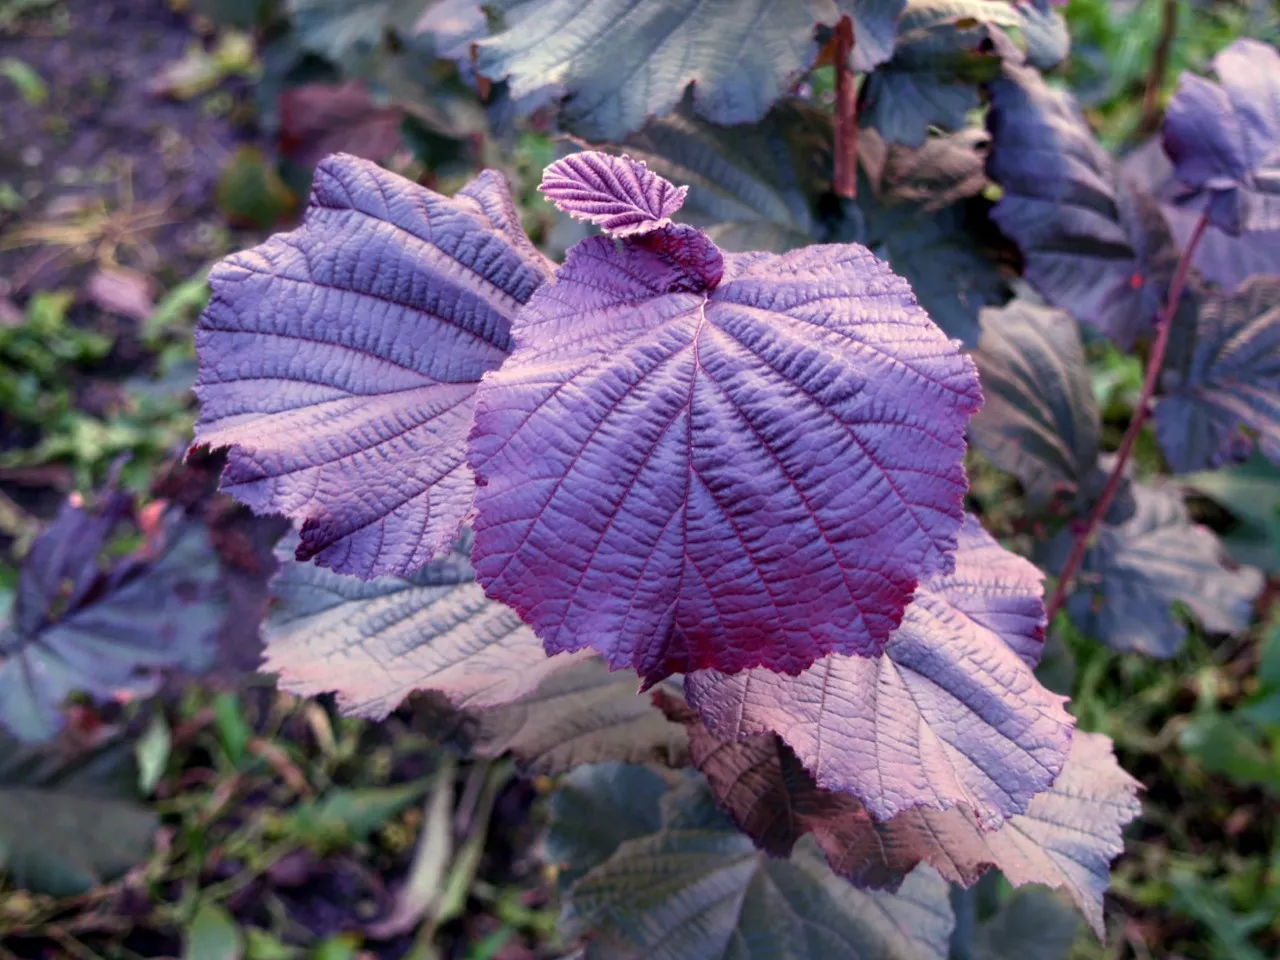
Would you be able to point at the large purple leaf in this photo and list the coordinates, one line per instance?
(339, 361)
(1138, 569)
(1225, 140)
(78, 628)
(1093, 245)
(697, 888)
(951, 713)
(619, 195)
(1066, 838)
(1040, 421)
(375, 642)
(1230, 378)
(757, 473)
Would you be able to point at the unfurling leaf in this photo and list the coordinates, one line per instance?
(375, 642)
(758, 473)
(1229, 378)
(1066, 838)
(698, 888)
(951, 713)
(339, 361)
(1040, 421)
(1093, 245)
(619, 195)
(79, 628)
(1225, 140)
(1137, 570)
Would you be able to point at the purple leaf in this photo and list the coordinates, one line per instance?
(1139, 568)
(758, 474)
(375, 642)
(1230, 377)
(951, 713)
(619, 195)
(1225, 140)
(1093, 245)
(1067, 837)
(77, 628)
(339, 362)
(1040, 421)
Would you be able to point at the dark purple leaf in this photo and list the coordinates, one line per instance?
(619, 195)
(375, 642)
(1092, 245)
(1137, 570)
(339, 361)
(951, 713)
(698, 888)
(1040, 421)
(619, 62)
(875, 30)
(941, 171)
(1066, 838)
(1230, 378)
(757, 474)
(317, 119)
(1225, 140)
(77, 628)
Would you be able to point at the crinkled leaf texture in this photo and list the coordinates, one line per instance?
(951, 713)
(1092, 244)
(697, 888)
(618, 62)
(686, 475)
(1066, 838)
(619, 195)
(69, 820)
(375, 642)
(1040, 420)
(1224, 140)
(1230, 379)
(1137, 570)
(339, 361)
(77, 628)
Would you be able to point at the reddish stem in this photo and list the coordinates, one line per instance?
(846, 179)
(1154, 362)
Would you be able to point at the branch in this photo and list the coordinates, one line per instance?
(1154, 362)
(846, 159)
(1151, 108)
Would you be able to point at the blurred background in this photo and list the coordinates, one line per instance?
(141, 140)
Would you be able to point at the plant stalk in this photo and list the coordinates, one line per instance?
(1154, 362)
(1151, 108)
(846, 146)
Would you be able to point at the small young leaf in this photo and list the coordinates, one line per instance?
(697, 888)
(339, 362)
(950, 714)
(1093, 245)
(755, 474)
(1225, 140)
(619, 195)
(375, 642)
(1040, 421)
(618, 62)
(1230, 377)
(1138, 569)
(1066, 838)
(78, 629)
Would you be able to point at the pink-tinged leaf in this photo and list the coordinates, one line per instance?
(757, 474)
(621, 196)
(951, 713)
(339, 362)
(1066, 838)
(375, 642)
